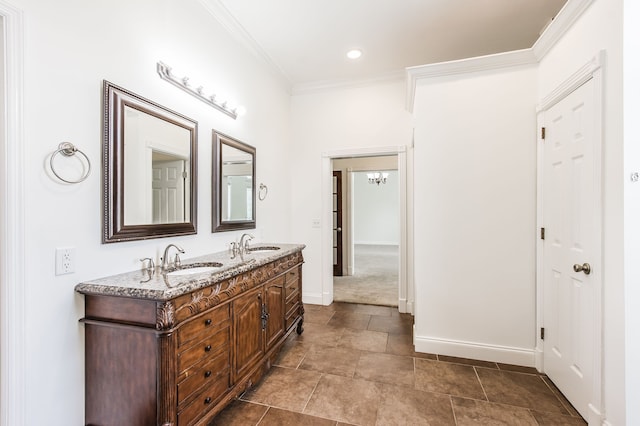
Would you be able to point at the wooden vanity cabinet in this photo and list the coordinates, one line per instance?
(179, 362)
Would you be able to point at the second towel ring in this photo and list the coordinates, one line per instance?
(68, 150)
(262, 192)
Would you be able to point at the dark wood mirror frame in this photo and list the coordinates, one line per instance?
(218, 224)
(115, 99)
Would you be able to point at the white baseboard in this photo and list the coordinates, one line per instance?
(479, 351)
(312, 298)
(402, 305)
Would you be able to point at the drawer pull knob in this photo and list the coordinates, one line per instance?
(207, 373)
(207, 400)
(207, 321)
(207, 348)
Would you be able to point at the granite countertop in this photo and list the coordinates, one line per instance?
(157, 285)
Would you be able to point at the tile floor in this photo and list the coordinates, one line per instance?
(355, 365)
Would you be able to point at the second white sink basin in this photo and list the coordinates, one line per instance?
(196, 268)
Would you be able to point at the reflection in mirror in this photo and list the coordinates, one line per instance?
(150, 176)
(233, 184)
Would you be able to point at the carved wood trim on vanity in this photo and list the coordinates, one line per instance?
(193, 361)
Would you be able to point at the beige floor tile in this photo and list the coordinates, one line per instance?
(350, 320)
(364, 340)
(393, 325)
(338, 361)
(277, 417)
(344, 399)
(473, 412)
(319, 334)
(553, 419)
(240, 413)
(319, 316)
(284, 388)
(385, 368)
(522, 390)
(444, 377)
(291, 354)
(405, 406)
(402, 344)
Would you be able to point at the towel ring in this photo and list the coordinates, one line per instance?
(68, 149)
(262, 195)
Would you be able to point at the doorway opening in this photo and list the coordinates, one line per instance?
(357, 251)
(366, 230)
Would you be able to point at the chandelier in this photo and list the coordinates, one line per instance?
(377, 177)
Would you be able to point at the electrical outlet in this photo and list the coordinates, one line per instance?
(65, 260)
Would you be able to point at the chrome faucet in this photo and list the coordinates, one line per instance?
(243, 245)
(165, 258)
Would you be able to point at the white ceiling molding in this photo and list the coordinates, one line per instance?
(464, 66)
(221, 14)
(569, 14)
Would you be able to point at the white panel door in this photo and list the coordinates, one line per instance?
(570, 215)
(168, 192)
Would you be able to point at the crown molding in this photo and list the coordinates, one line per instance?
(464, 66)
(567, 16)
(221, 14)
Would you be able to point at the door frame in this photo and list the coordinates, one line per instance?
(12, 228)
(405, 250)
(592, 70)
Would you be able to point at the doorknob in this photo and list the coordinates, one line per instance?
(585, 267)
(339, 229)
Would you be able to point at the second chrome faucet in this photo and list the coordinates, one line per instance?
(241, 247)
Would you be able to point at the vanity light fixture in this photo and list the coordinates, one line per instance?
(354, 54)
(377, 177)
(183, 83)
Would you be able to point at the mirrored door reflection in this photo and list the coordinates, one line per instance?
(337, 222)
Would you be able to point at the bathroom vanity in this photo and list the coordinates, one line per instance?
(173, 348)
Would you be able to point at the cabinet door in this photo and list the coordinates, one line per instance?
(274, 306)
(248, 332)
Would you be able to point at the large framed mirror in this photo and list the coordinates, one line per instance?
(149, 169)
(234, 184)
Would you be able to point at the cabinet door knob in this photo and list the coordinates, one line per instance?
(207, 348)
(207, 373)
(207, 321)
(207, 400)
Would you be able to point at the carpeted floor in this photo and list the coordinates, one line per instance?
(375, 279)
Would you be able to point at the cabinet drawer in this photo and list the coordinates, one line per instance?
(291, 318)
(291, 302)
(205, 400)
(293, 282)
(205, 375)
(191, 329)
(204, 348)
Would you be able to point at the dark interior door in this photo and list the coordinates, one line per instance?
(337, 223)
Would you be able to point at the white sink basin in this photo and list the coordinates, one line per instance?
(196, 268)
(263, 248)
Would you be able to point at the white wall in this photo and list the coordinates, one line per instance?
(375, 210)
(600, 27)
(631, 69)
(475, 168)
(326, 121)
(70, 46)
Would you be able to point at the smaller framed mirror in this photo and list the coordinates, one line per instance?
(234, 184)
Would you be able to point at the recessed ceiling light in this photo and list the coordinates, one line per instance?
(354, 54)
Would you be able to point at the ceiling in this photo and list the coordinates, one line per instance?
(307, 40)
